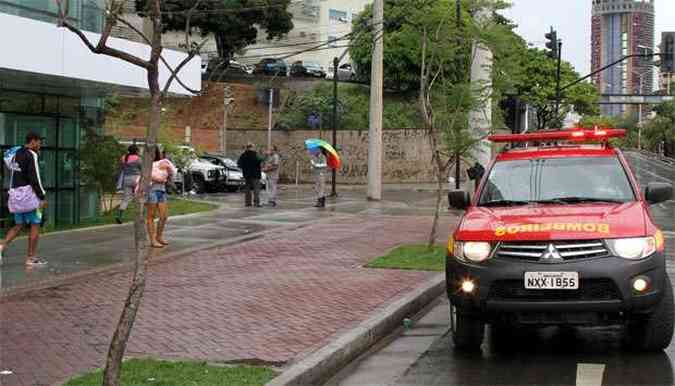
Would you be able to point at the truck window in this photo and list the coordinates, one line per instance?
(550, 179)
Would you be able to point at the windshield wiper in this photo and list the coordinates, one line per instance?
(576, 200)
(504, 203)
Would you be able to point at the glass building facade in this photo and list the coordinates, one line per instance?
(60, 114)
(61, 120)
(86, 14)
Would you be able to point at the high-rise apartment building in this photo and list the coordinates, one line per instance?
(620, 28)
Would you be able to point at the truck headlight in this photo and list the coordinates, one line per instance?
(473, 251)
(634, 248)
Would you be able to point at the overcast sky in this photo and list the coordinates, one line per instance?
(572, 19)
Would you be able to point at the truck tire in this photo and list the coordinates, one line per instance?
(653, 332)
(467, 331)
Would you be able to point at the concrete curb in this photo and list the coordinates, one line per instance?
(328, 360)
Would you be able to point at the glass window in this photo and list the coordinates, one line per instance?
(20, 102)
(335, 15)
(66, 167)
(68, 134)
(66, 207)
(14, 127)
(47, 161)
(600, 178)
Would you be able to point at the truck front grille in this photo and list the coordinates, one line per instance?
(567, 250)
(589, 289)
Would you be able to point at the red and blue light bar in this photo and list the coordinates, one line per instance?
(576, 135)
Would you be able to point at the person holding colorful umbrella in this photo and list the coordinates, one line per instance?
(324, 156)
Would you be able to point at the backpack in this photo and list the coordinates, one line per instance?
(8, 158)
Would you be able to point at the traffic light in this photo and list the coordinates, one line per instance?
(552, 43)
(668, 50)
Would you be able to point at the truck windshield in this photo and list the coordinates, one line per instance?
(557, 181)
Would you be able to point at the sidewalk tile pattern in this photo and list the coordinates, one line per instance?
(269, 299)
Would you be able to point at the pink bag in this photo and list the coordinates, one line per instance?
(159, 174)
(23, 199)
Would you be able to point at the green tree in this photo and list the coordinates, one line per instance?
(353, 104)
(99, 164)
(232, 22)
(628, 123)
(536, 85)
(659, 133)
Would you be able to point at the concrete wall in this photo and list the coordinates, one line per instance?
(407, 155)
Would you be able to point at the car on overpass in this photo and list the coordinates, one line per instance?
(559, 232)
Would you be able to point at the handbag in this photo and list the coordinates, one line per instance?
(22, 199)
(159, 175)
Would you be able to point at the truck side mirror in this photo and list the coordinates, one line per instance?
(459, 199)
(658, 192)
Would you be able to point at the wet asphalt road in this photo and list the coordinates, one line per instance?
(424, 355)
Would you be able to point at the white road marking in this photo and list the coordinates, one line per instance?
(589, 374)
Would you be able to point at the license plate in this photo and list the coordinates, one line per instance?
(552, 280)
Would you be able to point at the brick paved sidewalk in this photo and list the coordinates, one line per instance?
(270, 299)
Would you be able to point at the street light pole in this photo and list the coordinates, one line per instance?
(336, 62)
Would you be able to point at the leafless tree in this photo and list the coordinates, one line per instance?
(114, 16)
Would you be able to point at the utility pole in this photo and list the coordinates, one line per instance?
(557, 81)
(269, 122)
(458, 159)
(376, 105)
(555, 47)
(480, 117)
(336, 63)
(227, 102)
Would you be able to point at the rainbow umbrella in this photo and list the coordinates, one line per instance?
(313, 144)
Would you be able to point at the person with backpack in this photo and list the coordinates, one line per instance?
(156, 202)
(27, 196)
(131, 166)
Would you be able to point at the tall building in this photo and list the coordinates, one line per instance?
(620, 28)
(50, 83)
(315, 22)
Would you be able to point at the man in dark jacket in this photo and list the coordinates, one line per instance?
(28, 174)
(250, 164)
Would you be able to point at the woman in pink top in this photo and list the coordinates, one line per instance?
(130, 173)
(156, 201)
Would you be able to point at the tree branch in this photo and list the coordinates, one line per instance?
(174, 72)
(100, 48)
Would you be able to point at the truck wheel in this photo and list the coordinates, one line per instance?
(467, 332)
(653, 332)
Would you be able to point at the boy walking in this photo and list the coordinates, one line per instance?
(26, 180)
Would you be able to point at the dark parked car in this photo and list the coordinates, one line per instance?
(272, 66)
(310, 69)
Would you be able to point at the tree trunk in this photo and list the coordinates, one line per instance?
(438, 170)
(118, 344)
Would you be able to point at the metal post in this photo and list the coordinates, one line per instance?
(557, 83)
(336, 62)
(376, 91)
(269, 123)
